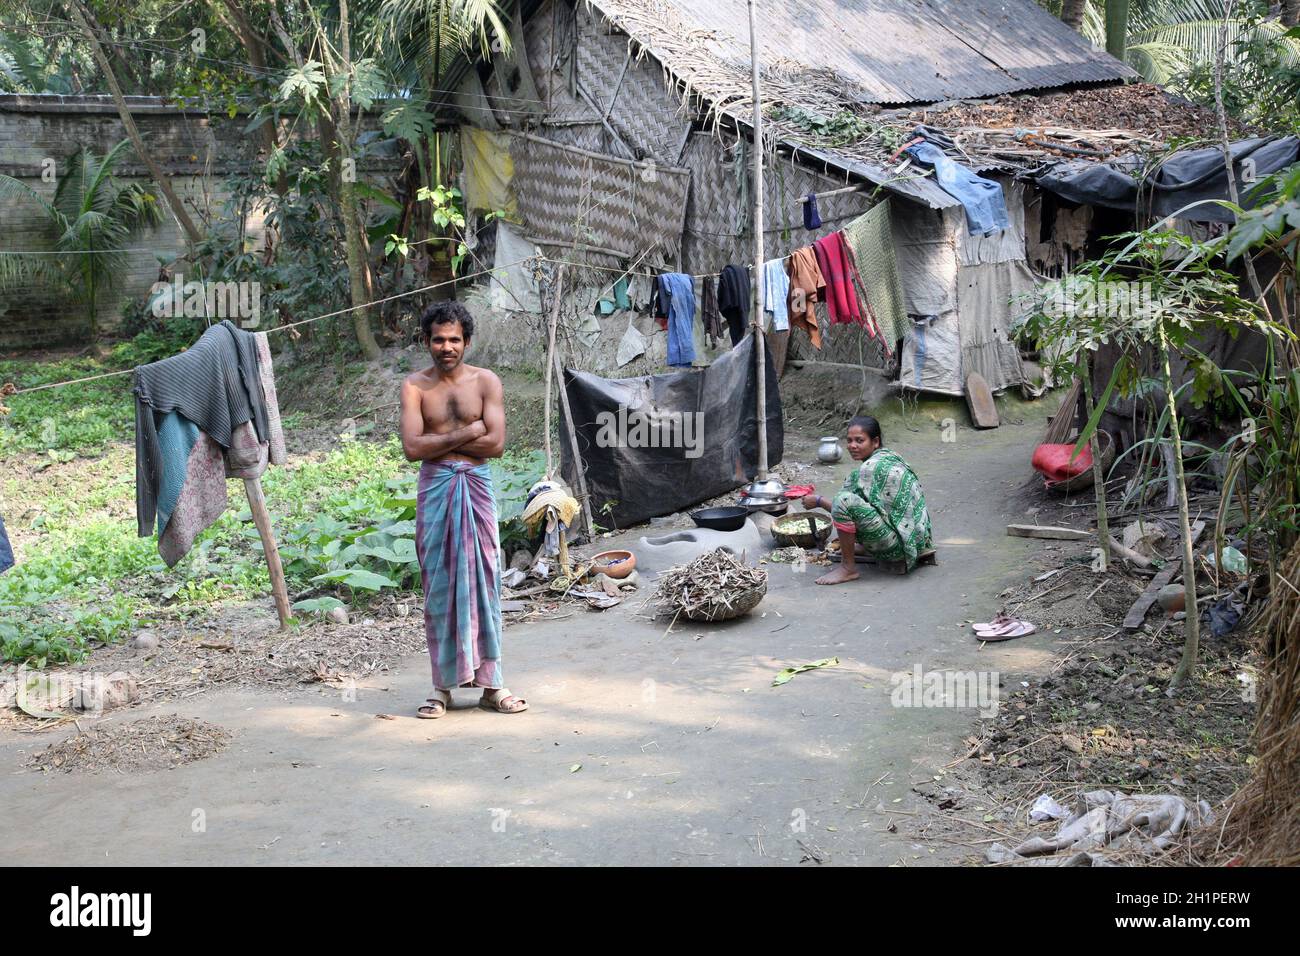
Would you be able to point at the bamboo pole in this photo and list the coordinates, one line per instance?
(579, 466)
(556, 292)
(1192, 621)
(262, 518)
(760, 364)
(1098, 480)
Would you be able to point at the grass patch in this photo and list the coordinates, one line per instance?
(344, 522)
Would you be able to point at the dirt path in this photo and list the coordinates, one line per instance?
(640, 748)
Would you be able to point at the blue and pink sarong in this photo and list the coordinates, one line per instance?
(456, 543)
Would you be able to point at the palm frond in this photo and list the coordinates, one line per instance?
(13, 189)
(1158, 62)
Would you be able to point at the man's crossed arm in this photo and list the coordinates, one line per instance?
(485, 438)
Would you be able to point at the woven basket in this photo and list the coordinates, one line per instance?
(741, 602)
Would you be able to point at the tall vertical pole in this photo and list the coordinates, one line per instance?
(759, 344)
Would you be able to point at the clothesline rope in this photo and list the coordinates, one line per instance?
(391, 298)
(279, 328)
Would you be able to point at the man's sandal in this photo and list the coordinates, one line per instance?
(435, 706)
(502, 701)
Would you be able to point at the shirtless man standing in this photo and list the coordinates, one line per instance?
(453, 420)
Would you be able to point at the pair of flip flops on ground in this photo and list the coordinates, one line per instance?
(1004, 627)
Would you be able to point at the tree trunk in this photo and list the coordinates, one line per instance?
(1072, 13)
(255, 47)
(1192, 624)
(1291, 12)
(1116, 28)
(84, 20)
(347, 194)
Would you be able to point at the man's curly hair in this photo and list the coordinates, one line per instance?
(442, 313)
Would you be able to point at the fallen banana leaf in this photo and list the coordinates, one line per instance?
(789, 672)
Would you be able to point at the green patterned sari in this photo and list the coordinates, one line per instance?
(883, 505)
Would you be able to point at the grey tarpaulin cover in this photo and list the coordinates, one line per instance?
(1186, 177)
(643, 482)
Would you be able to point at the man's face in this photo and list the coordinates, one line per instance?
(447, 345)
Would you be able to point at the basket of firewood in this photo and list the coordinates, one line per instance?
(714, 587)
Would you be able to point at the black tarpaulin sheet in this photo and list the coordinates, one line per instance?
(1189, 176)
(645, 458)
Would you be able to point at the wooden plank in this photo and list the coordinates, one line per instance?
(1047, 531)
(979, 399)
(1138, 612)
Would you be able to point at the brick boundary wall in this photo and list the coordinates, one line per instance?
(197, 151)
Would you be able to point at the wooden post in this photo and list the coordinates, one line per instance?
(556, 292)
(579, 466)
(262, 518)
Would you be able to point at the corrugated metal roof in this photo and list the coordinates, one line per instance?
(896, 51)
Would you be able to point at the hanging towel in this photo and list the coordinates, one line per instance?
(677, 291)
(986, 208)
(812, 219)
(776, 290)
(871, 241)
(6, 551)
(733, 300)
(806, 284)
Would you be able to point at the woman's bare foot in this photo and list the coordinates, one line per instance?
(838, 576)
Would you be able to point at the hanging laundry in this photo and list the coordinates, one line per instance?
(659, 304)
(733, 300)
(677, 295)
(986, 208)
(710, 317)
(182, 470)
(836, 264)
(6, 551)
(215, 384)
(616, 298)
(806, 284)
(812, 218)
(776, 290)
(871, 241)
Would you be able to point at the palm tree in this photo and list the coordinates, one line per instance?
(89, 222)
(1167, 39)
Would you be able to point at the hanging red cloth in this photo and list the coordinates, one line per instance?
(837, 268)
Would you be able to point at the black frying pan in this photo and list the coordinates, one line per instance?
(720, 519)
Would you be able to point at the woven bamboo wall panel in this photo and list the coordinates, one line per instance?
(567, 195)
(718, 215)
(549, 36)
(647, 115)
